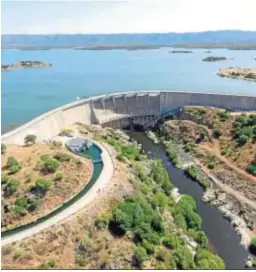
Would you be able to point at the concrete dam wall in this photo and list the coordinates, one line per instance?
(106, 109)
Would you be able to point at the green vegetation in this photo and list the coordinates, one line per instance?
(11, 187)
(223, 115)
(62, 157)
(140, 255)
(24, 205)
(42, 185)
(3, 148)
(130, 152)
(190, 146)
(195, 173)
(245, 128)
(4, 179)
(66, 132)
(252, 169)
(59, 176)
(47, 265)
(207, 260)
(30, 139)
(172, 155)
(217, 132)
(102, 221)
(13, 165)
(253, 245)
(48, 165)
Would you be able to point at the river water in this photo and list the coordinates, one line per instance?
(222, 236)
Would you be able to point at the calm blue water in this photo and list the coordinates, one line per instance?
(27, 93)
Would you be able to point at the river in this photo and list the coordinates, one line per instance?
(222, 236)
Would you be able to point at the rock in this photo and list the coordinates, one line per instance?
(209, 195)
(250, 262)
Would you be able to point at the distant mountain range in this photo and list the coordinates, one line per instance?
(197, 39)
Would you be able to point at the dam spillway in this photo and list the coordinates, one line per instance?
(141, 106)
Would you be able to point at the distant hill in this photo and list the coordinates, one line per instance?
(77, 40)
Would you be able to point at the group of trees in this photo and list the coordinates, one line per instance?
(24, 205)
(245, 128)
(48, 164)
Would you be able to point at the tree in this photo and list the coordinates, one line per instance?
(11, 161)
(3, 148)
(243, 139)
(140, 255)
(207, 260)
(30, 139)
(49, 165)
(43, 185)
(183, 258)
(11, 187)
(253, 245)
(217, 133)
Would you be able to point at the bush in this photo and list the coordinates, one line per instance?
(14, 169)
(252, 169)
(253, 245)
(189, 147)
(30, 139)
(3, 148)
(49, 165)
(206, 260)
(43, 185)
(11, 187)
(161, 255)
(102, 221)
(183, 258)
(59, 176)
(150, 248)
(11, 161)
(172, 241)
(66, 132)
(4, 179)
(80, 259)
(243, 139)
(217, 133)
(62, 157)
(223, 115)
(140, 255)
(32, 204)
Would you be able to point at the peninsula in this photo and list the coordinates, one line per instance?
(25, 64)
(239, 73)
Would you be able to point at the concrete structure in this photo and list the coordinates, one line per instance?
(143, 108)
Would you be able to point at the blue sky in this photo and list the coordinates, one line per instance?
(43, 17)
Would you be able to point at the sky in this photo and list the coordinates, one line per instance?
(158, 16)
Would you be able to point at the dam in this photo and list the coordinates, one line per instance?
(121, 109)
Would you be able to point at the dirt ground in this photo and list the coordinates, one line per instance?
(74, 179)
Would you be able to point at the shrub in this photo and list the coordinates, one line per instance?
(252, 169)
(140, 255)
(47, 265)
(43, 185)
(30, 139)
(183, 258)
(189, 147)
(11, 187)
(102, 221)
(253, 245)
(11, 161)
(66, 132)
(3, 148)
(32, 204)
(217, 133)
(4, 179)
(172, 241)
(223, 115)
(14, 169)
(80, 259)
(49, 165)
(207, 260)
(161, 255)
(243, 139)
(59, 176)
(62, 157)
(150, 248)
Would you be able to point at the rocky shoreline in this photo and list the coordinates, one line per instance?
(25, 64)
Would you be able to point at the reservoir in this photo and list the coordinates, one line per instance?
(222, 236)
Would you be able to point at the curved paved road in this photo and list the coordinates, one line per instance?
(104, 178)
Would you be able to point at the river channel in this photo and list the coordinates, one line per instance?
(222, 236)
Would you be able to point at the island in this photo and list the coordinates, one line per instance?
(25, 64)
(213, 59)
(208, 51)
(180, 51)
(120, 47)
(239, 73)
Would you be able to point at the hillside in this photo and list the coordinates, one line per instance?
(68, 40)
